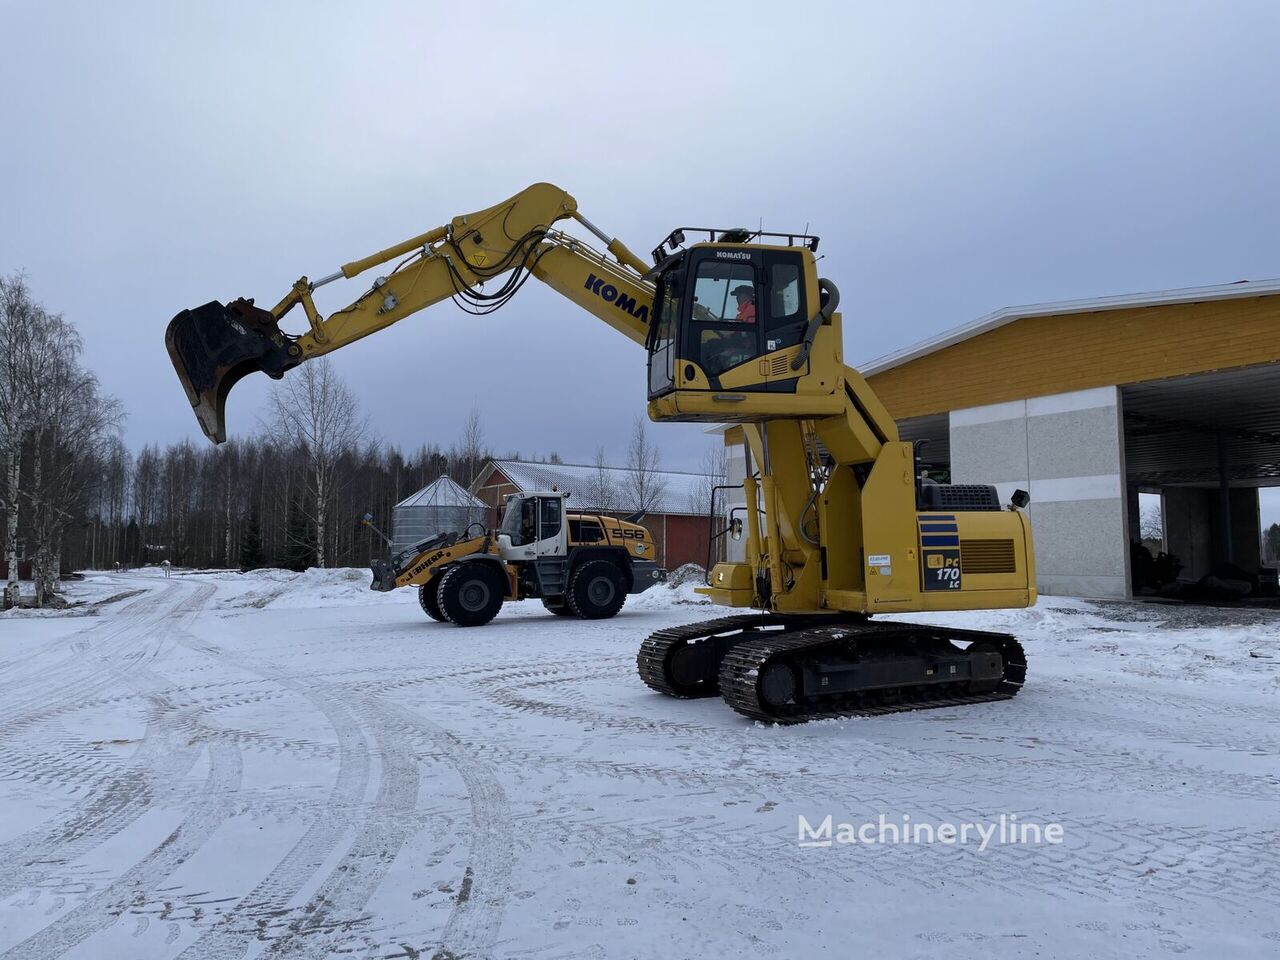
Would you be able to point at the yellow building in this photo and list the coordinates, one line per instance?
(1088, 403)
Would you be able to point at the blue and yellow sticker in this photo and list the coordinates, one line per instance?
(940, 552)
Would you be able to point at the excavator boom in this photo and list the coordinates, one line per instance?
(216, 345)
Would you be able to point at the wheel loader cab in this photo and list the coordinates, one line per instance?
(730, 329)
(533, 526)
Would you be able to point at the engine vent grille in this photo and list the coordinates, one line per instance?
(941, 497)
(987, 556)
(780, 366)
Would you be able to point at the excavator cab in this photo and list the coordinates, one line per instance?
(735, 322)
(216, 345)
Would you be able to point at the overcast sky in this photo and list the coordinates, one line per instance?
(954, 157)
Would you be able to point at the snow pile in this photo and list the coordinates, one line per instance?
(677, 591)
(74, 598)
(689, 573)
(315, 587)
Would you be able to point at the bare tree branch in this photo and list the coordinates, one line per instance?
(313, 411)
(646, 486)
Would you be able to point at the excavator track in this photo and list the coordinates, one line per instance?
(784, 678)
(685, 661)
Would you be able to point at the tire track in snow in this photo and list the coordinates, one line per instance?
(252, 917)
(384, 828)
(121, 661)
(1206, 728)
(81, 766)
(367, 725)
(500, 690)
(135, 886)
(268, 912)
(1100, 762)
(45, 691)
(473, 924)
(165, 756)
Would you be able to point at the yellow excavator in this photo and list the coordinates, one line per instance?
(839, 522)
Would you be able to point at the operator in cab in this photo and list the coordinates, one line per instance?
(746, 296)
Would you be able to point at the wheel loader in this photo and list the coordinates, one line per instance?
(578, 564)
(738, 328)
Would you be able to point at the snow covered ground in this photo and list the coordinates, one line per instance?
(280, 765)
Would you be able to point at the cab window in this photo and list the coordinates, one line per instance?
(520, 522)
(551, 517)
(725, 292)
(585, 531)
(785, 321)
(784, 291)
(725, 332)
(662, 345)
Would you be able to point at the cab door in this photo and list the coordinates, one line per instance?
(664, 332)
(553, 538)
(784, 317)
(533, 527)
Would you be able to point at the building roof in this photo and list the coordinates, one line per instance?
(1223, 291)
(442, 492)
(682, 493)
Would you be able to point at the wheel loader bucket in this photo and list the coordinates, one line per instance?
(212, 347)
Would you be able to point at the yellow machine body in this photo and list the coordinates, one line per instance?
(833, 522)
(739, 329)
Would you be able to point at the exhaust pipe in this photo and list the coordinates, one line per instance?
(213, 346)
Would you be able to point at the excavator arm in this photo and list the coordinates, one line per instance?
(479, 259)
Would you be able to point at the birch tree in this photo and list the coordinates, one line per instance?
(74, 424)
(17, 317)
(470, 452)
(53, 415)
(313, 411)
(713, 467)
(602, 490)
(645, 483)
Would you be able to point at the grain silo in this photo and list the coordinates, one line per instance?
(439, 507)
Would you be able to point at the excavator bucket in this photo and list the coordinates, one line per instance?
(212, 347)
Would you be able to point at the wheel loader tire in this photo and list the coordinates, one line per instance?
(470, 594)
(596, 590)
(427, 599)
(559, 607)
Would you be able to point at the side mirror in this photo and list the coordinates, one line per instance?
(735, 528)
(1020, 499)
